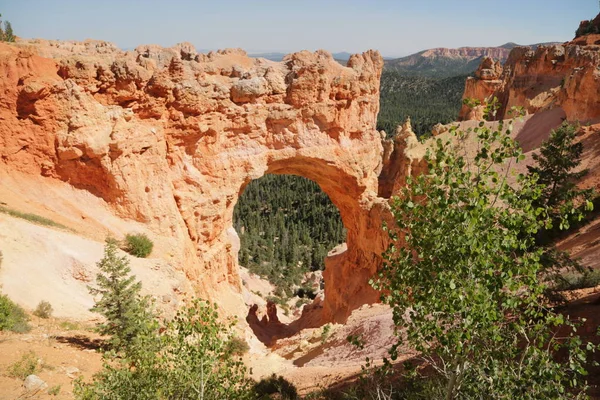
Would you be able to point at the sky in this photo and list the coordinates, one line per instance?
(395, 28)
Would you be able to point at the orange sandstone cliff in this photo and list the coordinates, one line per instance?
(169, 137)
(564, 77)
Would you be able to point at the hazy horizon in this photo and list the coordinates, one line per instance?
(395, 28)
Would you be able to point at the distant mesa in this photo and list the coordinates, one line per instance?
(443, 62)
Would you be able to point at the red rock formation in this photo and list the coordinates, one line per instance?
(565, 76)
(486, 82)
(170, 138)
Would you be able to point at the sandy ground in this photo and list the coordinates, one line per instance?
(63, 354)
(41, 263)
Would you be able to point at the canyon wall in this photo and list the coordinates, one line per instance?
(170, 137)
(565, 77)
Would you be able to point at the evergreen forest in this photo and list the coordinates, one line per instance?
(427, 101)
(287, 225)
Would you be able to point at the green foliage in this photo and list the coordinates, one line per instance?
(416, 66)
(237, 346)
(43, 310)
(427, 101)
(31, 217)
(138, 245)
(275, 385)
(126, 312)
(189, 359)
(12, 316)
(559, 156)
(70, 326)
(27, 365)
(9, 35)
(325, 332)
(565, 204)
(462, 276)
(356, 340)
(54, 390)
(286, 224)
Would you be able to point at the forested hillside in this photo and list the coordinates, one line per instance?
(432, 67)
(426, 100)
(286, 224)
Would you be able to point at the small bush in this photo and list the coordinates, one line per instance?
(54, 390)
(43, 310)
(138, 244)
(576, 280)
(12, 316)
(275, 385)
(325, 333)
(70, 326)
(237, 346)
(27, 365)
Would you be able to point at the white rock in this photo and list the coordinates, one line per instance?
(72, 372)
(33, 383)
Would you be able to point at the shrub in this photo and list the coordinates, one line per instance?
(325, 333)
(27, 365)
(275, 385)
(54, 390)
(12, 316)
(43, 310)
(237, 346)
(138, 245)
(575, 280)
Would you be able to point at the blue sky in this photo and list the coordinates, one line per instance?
(395, 28)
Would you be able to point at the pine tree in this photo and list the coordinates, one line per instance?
(1, 30)
(8, 32)
(120, 301)
(558, 158)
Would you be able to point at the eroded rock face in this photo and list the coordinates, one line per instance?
(171, 137)
(565, 76)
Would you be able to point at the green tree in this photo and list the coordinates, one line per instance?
(462, 276)
(125, 310)
(6, 34)
(190, 359)
(9, 36)
(559, 156)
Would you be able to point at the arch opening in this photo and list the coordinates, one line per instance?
(287, 225)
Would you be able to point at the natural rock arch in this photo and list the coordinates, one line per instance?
(170, 137)
(347, 273)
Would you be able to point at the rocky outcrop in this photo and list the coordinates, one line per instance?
(170, 138)
(399, 160)
(563, 76)
(483, 85)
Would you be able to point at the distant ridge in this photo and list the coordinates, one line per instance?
(443, 62)
(276, 56)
